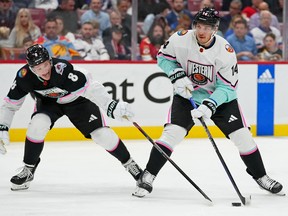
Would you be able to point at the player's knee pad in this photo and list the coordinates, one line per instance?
(243, 140)
(38, 127)
(172, 135)
(106, 138)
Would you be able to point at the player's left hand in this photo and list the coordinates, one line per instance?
(205, 110)
(120, 111)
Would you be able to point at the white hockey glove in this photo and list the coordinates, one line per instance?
(205, 110)
(120, 111)
(4, 138)
(182, 85)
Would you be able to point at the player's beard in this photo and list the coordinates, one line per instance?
(157, 40)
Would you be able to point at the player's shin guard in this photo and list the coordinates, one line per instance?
(156, 160)
(32, 151)
(255, 168)
(123, 155)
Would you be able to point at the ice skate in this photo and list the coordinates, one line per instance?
(132, 167)
(144, 184)
(266, 183)
(22, 180)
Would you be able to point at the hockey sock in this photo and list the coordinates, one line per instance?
(121, 152)
(32, 152)
(156, 160)
(254, 164)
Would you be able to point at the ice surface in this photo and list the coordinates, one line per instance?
(81, 178)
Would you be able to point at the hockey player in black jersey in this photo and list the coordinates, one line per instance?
(59, 90)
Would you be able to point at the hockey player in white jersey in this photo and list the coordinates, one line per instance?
(60, 89)
(203, 65)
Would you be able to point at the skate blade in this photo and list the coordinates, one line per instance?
(140, 192)
(281, 193)
(15, 187)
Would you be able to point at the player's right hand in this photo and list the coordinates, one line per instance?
(120, 111)
(182, 85)
(4, 138)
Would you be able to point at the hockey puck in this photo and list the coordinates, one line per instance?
(236, 204)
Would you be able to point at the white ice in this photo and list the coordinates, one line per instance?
(80, 178)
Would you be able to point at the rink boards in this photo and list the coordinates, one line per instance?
(262, 92)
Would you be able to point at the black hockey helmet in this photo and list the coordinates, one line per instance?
(208, 16)
(36, 55)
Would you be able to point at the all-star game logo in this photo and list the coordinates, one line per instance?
(52, 92)
(22, 73)
(182, 32)
(200, 74)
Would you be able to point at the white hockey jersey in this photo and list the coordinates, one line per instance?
(212, 70)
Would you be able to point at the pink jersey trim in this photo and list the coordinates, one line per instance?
(249, 152)
(34, 140)
(14, 102)
(115, 146)
(158, 142)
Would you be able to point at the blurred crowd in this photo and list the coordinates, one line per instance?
(101, 29)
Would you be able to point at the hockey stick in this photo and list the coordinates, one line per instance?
(170, 160)
(242, 198)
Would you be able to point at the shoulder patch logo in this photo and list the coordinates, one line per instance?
(59, 67)
(229, 48)
(182, 32)
(22, 73)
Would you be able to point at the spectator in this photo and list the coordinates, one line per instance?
(226, 4)
(62, 31)
(270, 51)
(95, 13)
(248, 11)
(66, 10)
(206, 3)
(48, 5)
(126, 20)
(24, 27)
(57, 46)
(23, 4)
(177, 9)
(115, 19)
(159, 10)
(278, 10)
(115, 47)
(90, 48)
(4, 32)
(150, 45)
(146, 7)
(27, 42)
(184, 22)
(7, 14)
(234, 9)
(95, 31)
(255, 18)
(243, 44)
(264, 28)
(230, 29)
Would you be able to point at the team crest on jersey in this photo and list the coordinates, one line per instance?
(229, 48)
(22, 73)
(182, 32)
(200, 74)
(52, 92)
(59, 67)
